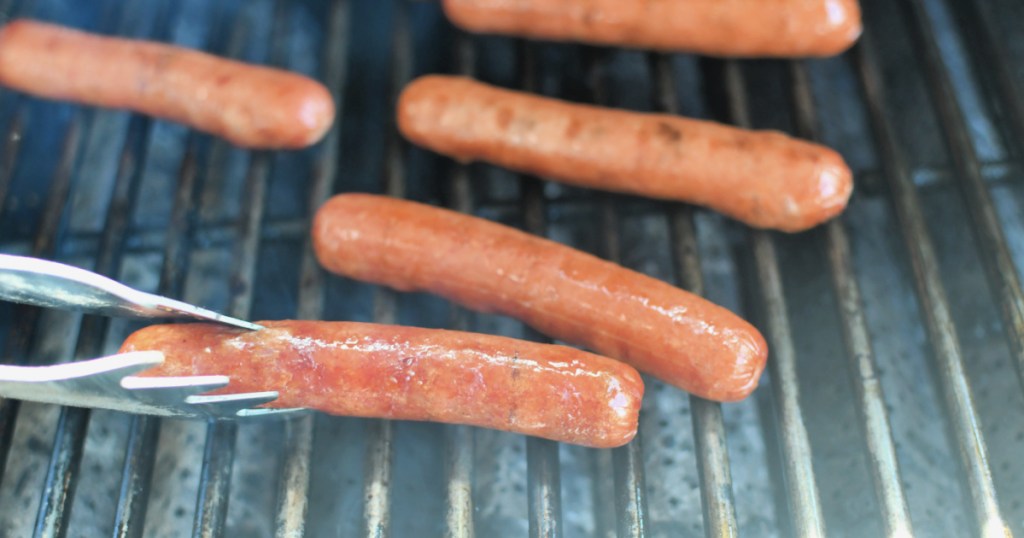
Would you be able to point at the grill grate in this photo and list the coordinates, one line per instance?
(929, 328)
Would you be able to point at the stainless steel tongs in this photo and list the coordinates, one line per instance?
(109, 382)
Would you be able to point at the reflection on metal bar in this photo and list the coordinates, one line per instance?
(140, 452)
(631, 495)
(544, 487)
(51, 518)
(215, 479)
(996, 257)
(377, 490)
(804, 501)
(459, 472)
(459, 440)
(218, 458)
(62, 474)
(143, 435)
(72, 426)
(627, 461)
(140, 456)
(293, 497)
(960, 407)
(9, 155)
(293, 488)
(69, 442)
(871, 403)
(805, 504)
(708, 426)
(713, 465)
(377, 487)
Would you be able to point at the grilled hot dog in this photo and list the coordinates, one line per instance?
(712, 27)
(385, 371)
(763, 178)
(250, 105)
(674, 335)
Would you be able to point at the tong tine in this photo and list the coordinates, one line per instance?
(109, 383)
(50, 284)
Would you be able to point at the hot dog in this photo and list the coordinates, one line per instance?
(712, 27)
(406, 373)
(249, 105)
(763, 178)
(674, 335)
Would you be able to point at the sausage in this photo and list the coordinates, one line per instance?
(741, 28)
(249, 105)
(763, 178)
(407, 373)
(580, 299)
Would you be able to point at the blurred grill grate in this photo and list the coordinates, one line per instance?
(182, 213)
(960, 402)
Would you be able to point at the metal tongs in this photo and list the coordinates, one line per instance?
(109, 382)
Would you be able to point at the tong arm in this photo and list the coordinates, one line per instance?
(109, 383)
(55, 285)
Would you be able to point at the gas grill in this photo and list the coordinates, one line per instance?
(892, 404)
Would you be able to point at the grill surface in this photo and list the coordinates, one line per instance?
(892, 404)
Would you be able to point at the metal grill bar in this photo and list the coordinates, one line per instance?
(459, 440)
(864, 371)
(544, 488)
(62, 475)
(218, 458)
(46, 237)
(996, 257)
(713, 465)
(215, 480)
(143, 435)
(627, 461)
(989, 51)
(543, 483)
(804, 501)
(9, 408)
(219, 455)
(136, 476)
(459, 465)
(140, 452)
(959, 401)
(9, 155)
(17, 342)
(293, 490)
(377, 492)
(293, 496)
(43, 246)
(380, 449)
(630, 491)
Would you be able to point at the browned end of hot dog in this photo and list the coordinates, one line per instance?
(406, 373)
(250, 105)
(763, 178)
(674, 335)
(780, 28)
